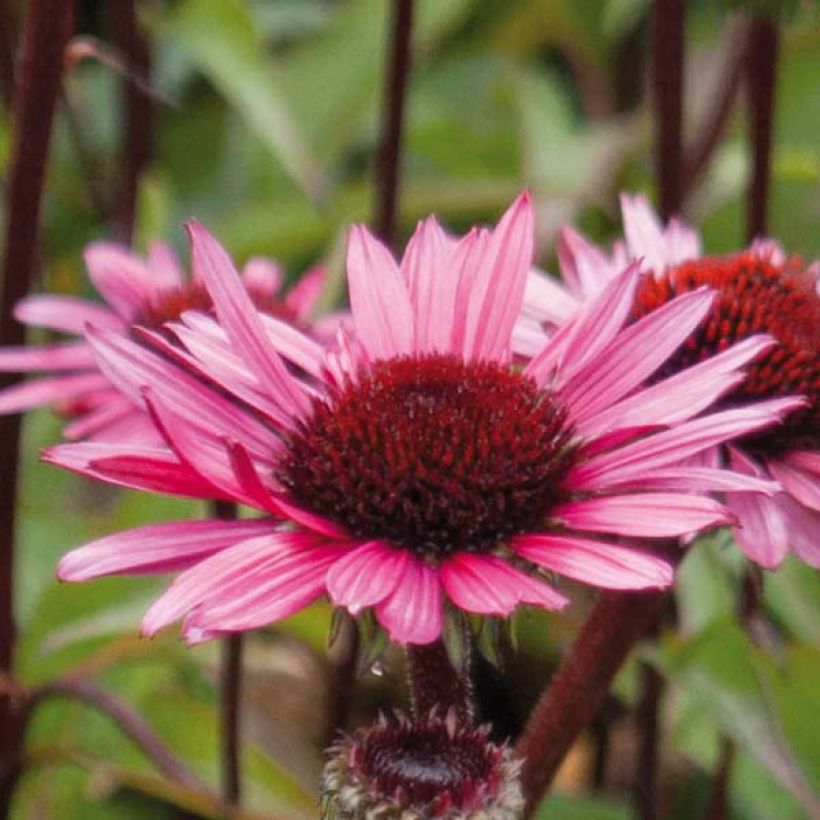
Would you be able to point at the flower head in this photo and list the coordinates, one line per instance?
(416, 462)
(759, 290)
(138, 293)
(425, 768)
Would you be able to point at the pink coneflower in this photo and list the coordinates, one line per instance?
(145, 293)
(760, 290)
(419, 464)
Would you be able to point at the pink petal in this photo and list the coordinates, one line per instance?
(634, 354)
(413, 612)
(546, 300)
(303, 297)
(241, 322)
(489, 586)
(798, 483)
(294, 345)
(38, 392)
(644, 233)
(141, 468)
(684, 478)
(306, 519)
(71, 356)
(379, 300)
(66, 313)
(677, 444)
(808, 460)
(490, 296)
(612, 566)
(682, 396)
(803, 526)
(761, 530)
(261, 583)
(164, 266)
(156, 548)
(643, 515)
(120, 276)
(583, 266)
(262, 274)
(431, 280)
(108, 413)
(365, 576)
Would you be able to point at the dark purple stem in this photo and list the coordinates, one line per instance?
(718, 808)
(46, 30)
(139, 111)
(230, 697)
(667, 84)
(395, 92)
(761, 76)
(579, 687)
(645, 779)
(6, 53)
(435, 683)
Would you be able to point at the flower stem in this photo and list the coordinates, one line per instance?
(577, 690)
(395, 93)
(6, 52)
(761, 75)
(230, 697)
(435, 682)
(46, 30)
(645, 778)
(667, 82)
(137, 122)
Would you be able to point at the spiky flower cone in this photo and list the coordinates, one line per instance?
(427, 769)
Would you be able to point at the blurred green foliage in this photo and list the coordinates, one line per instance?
(271, 141)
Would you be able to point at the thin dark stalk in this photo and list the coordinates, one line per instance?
(718, 808)
(718, 110)
(126, 719)
(436, 684)
(6, 53)
(667, 84)
(647, 714)
(344, 658)
(137, 122)
(387, 184)
(761, 75)
(46, 30)
(230, 698)
(579, 687)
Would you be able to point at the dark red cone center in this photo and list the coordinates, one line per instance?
(755, 295)
(433, 454)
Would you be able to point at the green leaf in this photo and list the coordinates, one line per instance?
(566, 807)
(221, 38)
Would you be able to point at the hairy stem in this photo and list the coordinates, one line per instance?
(395, 92)
(667, 85)
(436, 683)
(579, 687)
(46, 30)
(761, 76)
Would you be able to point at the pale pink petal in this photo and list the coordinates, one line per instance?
(379, 300)
(682, 242)
(546, 299)
(241, 322)
(528, 337)
(803, 527)
(73, 356)
(141, 468)
(37, 392)
(643, 515)
(262, 584)
(808, 460)
(164, 266)
(634, 354)
(121, 277)
(490, 298)
(677, 444)
(98, 418)
(700, 480)
(761, 530)
(156, 548)
(585, 269)
(613, 566)
(801, 484)
(489, 586)
(303, 297)
(263, 274)
(69, 314)
(683, 395)
(644, 233)
(431, 281)
(365, 576)
(295, 346)
(414, 611)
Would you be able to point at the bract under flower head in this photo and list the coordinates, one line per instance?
(416, 463)
(138, 292)
(759, 290)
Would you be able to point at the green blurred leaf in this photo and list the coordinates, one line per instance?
(566, 807)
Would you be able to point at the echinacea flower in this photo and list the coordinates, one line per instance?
(760, 290)
(137, 292)
(419, 463)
